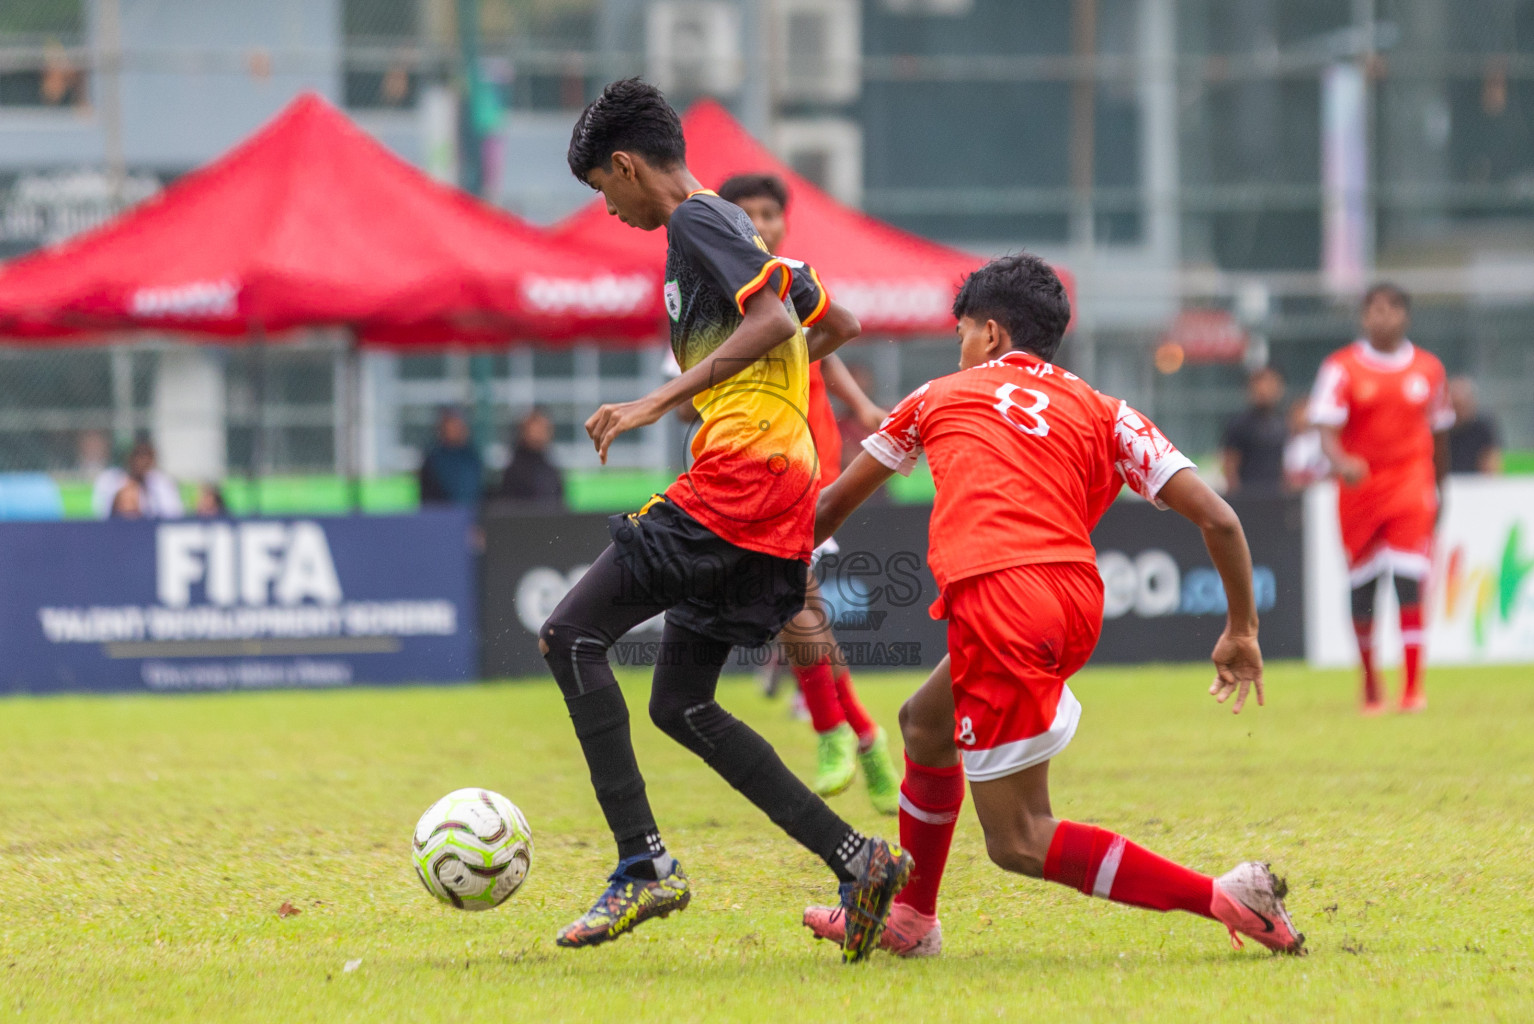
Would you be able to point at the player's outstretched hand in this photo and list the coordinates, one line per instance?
(609, 421)
(1238, 670)
(871, 416)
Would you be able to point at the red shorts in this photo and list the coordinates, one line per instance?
(1014, 637)
(1387, 524)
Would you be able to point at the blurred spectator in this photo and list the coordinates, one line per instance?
(859, 418)
(1252, 451)
(1474, 446)
(530, 475)
(210, 502)
(93, 453)
(157, 496)
(452, 472)
(128, 502)
(1305, 461)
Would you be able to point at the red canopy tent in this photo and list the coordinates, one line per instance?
(312, 222)
(896, 282)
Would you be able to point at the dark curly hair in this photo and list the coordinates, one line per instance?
(1023, 294)
(1394, 293)
(754, 186)
(632, 116)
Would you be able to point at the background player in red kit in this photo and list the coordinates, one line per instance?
(1027, 457)
(848, 735)
(1382, 407)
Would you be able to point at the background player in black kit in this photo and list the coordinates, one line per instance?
(724, 553)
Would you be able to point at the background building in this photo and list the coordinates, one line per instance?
(1259, 159)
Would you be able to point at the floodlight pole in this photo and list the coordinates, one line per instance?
(471, 148)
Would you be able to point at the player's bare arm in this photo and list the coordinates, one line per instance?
(831, 331)
(1347, 467)
(1237, 657)
(766, 325)
(1440, 470)
(856, 485)
(843, 386)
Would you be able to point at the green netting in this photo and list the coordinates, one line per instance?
(619, 490)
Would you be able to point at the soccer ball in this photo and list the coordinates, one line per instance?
(472, 849)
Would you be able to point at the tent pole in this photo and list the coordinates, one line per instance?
(353, 420)
(258, 432)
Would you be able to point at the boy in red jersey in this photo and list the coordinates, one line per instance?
(1382, 407)
(848, 735)
(1027, 458)
(725, 552)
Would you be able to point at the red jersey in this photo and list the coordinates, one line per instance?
(824, 430)
(1387, 406)
(1026, 457)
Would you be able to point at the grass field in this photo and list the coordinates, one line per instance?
(149, 842)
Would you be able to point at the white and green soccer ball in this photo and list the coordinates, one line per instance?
(472, 849)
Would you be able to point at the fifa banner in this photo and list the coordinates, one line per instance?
(237, 604)
(1480, 598)
(1164, 601)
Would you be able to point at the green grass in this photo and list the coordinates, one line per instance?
(149, 841)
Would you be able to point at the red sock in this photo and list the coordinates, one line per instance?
(1363, 630)
(1101, 863)
(1411, 642)
(819, 692)
(857, 716)
(930, 799)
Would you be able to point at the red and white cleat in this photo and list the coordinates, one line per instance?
(1413, 703)
(1249, 900)
(906, 932)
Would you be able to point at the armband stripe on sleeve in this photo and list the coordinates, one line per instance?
(820, 307)
(754, 285)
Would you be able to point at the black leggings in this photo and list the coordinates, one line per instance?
(1408, 592)
(603, 606)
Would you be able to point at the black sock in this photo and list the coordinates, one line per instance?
(602, 725)
(848, 852)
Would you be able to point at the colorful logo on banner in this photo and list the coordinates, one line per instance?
(1489, 593)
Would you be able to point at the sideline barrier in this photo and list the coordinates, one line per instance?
(1164, 601)
(237, 604)
(1480, 599)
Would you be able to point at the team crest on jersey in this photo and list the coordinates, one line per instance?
(674, 300)
(1417, 388)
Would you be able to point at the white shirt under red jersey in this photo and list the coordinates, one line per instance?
(1026, 457)
(1387, 405)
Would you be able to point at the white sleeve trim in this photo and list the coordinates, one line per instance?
(1324, 410)
(1162, 474)
(890, 456)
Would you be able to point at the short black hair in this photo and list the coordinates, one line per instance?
(1393, 292)
(630, 115)
(1023, 294)
(754, 186)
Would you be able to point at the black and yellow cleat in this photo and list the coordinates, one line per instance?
(641, 888)
(883, 871)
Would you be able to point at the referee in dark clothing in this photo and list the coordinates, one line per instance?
(1252, 450)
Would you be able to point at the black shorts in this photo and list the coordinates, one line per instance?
(709, 585)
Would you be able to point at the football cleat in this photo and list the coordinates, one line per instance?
(1413, 702)
(883, 870)
(879, 774)
(1249, 900)
(629, 901)
(907, 932)
(836, 760)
